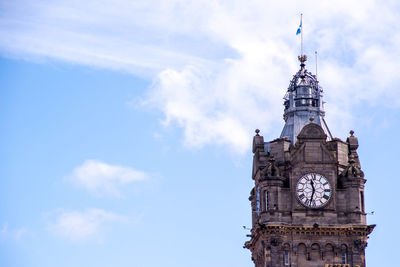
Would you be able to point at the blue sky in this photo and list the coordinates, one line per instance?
(126, 127)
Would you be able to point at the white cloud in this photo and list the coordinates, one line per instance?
(83, 226)
(221, 68)
(104, 179)
(10, 234)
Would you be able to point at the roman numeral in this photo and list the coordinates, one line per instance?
(301, 196)
(326, 197)
(313, 204)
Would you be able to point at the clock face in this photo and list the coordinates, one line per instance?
(313, 190)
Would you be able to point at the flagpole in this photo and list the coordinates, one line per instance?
(301, 32)
(316, 65)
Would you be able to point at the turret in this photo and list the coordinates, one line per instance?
(303, 101)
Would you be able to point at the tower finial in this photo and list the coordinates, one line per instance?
(302, 58)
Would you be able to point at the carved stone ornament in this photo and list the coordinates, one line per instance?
(352, 170)
(271, 169)
(360, 245)
(274, 242)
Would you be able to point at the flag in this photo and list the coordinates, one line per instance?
(299, 29)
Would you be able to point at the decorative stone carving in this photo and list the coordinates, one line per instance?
(271, 169)
(360, 245)
(352, 170)
(274, 242)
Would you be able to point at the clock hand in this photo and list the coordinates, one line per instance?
(313, 190)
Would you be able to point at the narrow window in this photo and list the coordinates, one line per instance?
(287, 258)
(266, 200)
(362, 201)
(344, 257)
(258, 201)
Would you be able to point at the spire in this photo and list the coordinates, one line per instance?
(302, 101)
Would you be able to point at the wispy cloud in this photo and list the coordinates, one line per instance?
(220, 68)
(83, 225)
(120, 35)
(11, 234)
(104, 179)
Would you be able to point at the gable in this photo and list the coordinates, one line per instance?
(311, 146)
(312, 131)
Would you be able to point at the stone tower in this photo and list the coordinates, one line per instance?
(308, 199)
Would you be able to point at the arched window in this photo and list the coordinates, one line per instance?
(344, 254)
(362, 201)
(301, 255)
(286, 254)
(287, 258)
(344, 257)
(266, 200)
(315, 252)
(329, 254)
(258, 200)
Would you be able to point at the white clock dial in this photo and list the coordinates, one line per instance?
(313, 190)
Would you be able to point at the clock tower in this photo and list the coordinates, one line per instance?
(308, 199)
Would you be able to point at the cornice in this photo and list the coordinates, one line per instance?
(349, 230)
